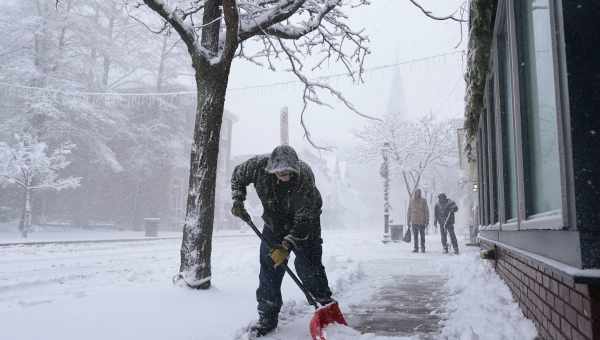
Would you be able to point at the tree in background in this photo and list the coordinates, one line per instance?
(417, 149)
(28, 165)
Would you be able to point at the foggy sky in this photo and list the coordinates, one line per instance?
(398, 31)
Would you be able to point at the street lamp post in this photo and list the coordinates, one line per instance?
(385, 173)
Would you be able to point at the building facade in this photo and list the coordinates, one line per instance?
(532, 113)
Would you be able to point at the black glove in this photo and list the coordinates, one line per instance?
(238, 210)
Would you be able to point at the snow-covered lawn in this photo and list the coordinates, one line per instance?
(123, 290)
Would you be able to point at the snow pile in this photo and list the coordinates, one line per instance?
(345, 272)
(480, 305)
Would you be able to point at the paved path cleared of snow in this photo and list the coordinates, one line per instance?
(123, 290)
(402, 305)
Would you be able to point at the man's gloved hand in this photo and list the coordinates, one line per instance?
(279, 254)
(238, 210)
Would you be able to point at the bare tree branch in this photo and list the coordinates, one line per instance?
(434, 17)
(310, 94)
(186, 32)
(294, 32)
(232, 20)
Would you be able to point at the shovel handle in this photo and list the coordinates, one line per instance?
(447, 218)
(308, 295)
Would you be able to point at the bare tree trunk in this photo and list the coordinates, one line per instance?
(25, 224)
(62, 38)
(198, 228)
(161, 64)
(93, 52)
(22, 219)
(107, 59)
(41, 58)
(211, 82)
(411, 186)
(38, 37)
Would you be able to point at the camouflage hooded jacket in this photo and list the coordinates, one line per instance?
(291, 209)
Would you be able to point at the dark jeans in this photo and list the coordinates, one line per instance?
(450, 230)
(308, 266)
(419, 229)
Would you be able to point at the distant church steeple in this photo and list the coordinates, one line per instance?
(396, 103)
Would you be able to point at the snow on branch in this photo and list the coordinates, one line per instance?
(318, 28)
(257, 19)
(177, 19)
(271, 23)
(319, 24)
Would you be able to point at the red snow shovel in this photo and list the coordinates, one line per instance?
(326, 314)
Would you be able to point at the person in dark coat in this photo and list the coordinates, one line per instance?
(418, 219)
(291, 210)
(444, 216)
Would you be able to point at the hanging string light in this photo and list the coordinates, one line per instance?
(373, 74)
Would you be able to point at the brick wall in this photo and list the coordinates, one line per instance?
(560, 308)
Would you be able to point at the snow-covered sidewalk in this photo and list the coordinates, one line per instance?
(123, 291)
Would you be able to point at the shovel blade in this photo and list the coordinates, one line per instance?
(325, 316)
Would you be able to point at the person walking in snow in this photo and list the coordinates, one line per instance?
(418, 219)
(444, 216)
(291, 211)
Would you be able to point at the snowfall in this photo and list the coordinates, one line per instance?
(75, 285)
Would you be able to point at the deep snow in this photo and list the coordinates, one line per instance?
(123, 290)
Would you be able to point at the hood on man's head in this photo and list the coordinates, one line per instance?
(283, 158)
(442, 196)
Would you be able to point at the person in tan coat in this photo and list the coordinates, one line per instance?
(418, 219)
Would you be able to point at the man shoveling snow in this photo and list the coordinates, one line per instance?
(292, 209)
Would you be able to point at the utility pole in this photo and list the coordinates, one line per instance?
(284, 127)
(385, 173)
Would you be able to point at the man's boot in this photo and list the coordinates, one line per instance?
(416, 250)
(456, 251)
(423, 250)
(266, 324)
(445, 250)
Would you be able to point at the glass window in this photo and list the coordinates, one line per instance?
(538, 106)
(483, 177)
(486, 173)
(508, 132)
(491, 144)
